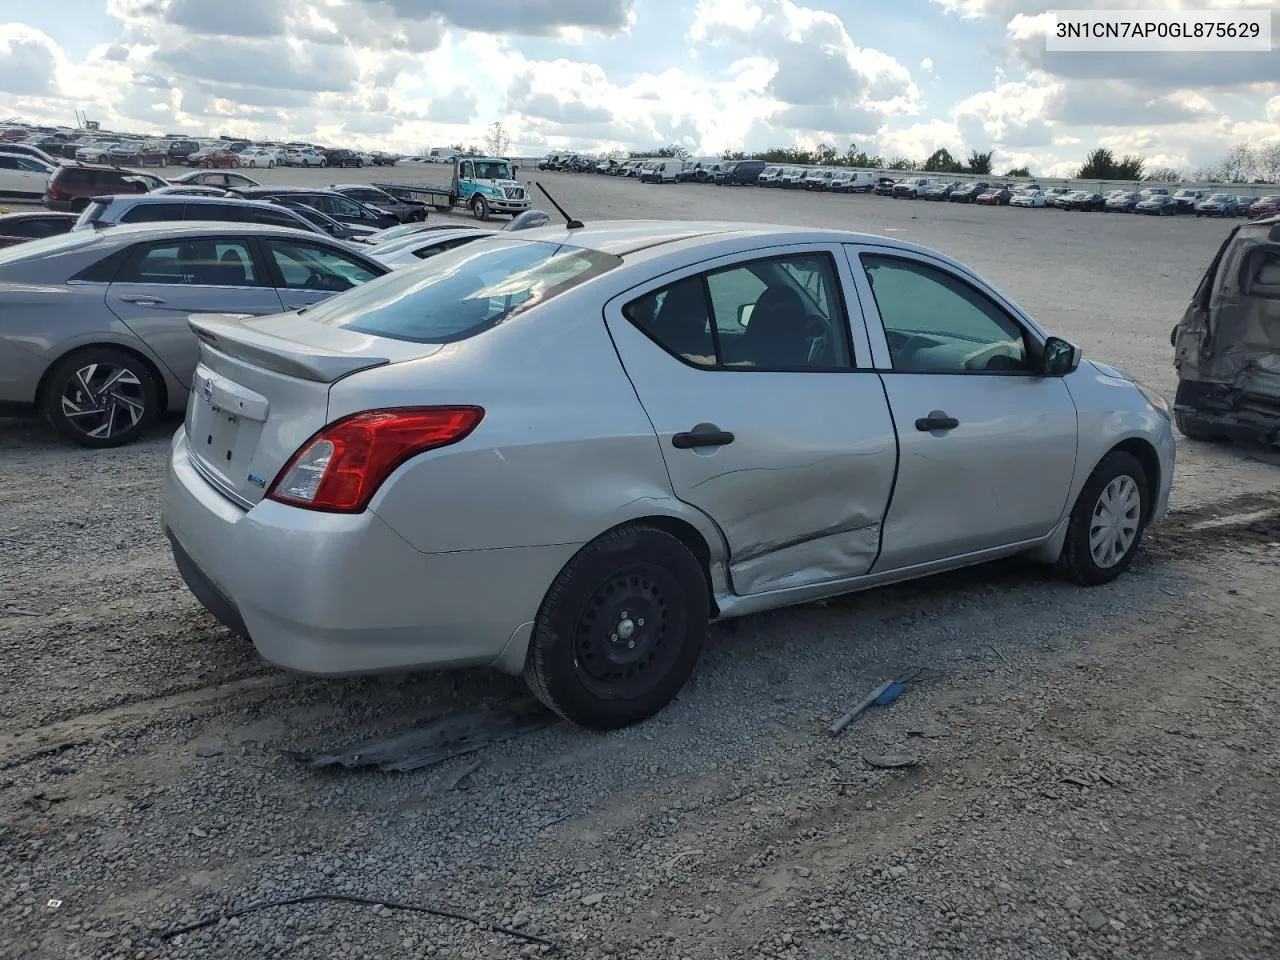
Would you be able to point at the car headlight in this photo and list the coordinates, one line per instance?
(1158, 403)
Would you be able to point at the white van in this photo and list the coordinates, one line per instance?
(852, 181)
(443, 155)
(661, 171)
(770, 177)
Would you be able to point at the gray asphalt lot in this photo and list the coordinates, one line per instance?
(1095, 769)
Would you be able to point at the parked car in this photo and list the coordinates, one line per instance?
(210, 178)
(18, 228)
(793, 178)
(605, 166)
(1028, 198)
(343, 158)
(144, 153)
(941, 191)
(29, 150)
(910, 188)
(179, 151)
(1264, 207)
(661, 171)
(994, 196)
(335, 228)
(1154, 191)
(1157, 204)
(407, 230)
(111, 211)
(259, 157)
(884, 186)
(818, 179)
(350, 447)
(304, 158)
(72, 186)
(341, 208)
(1224, 346)
(969, 192)
(549, 162)
(1054, 195)
(740, 173)
(1243, 204)
(383, 159)
(96, 151)
(23, 178)
(405, 211)
(1082, 200)
(102, 334)
(413, 250)
(214, 157)
(852, 181)
(1216, 205)
(1123, 202)
(1187, 200)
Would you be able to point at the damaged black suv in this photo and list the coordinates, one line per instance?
(1227, 344)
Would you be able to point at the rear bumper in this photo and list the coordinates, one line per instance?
(340, 594)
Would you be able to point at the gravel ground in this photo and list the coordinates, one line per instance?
(1093, 770)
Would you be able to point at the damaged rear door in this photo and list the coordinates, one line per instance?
(766, 410)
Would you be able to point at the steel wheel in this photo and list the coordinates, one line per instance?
(621, 634)
(1116, 517)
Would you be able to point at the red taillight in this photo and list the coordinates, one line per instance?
(56, 194)
(342, 466)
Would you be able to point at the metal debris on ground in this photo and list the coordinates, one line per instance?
(890, 761)
(881, 696)
(452, 735)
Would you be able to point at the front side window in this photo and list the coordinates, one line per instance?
(780, 313)
(309, 266)
(937, 323)
(208, 262)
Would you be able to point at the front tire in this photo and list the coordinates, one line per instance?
(1107, 521)
(621, 629)
(101, 397)
(480, 207)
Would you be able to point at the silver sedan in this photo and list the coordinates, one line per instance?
(93, 324)
(562, 452)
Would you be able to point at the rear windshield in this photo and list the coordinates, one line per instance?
(464, 291)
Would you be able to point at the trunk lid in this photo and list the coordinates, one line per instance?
(261, 389)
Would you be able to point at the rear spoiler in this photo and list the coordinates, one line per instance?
(227, 334)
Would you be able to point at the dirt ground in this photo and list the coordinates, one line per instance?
(1092, 772)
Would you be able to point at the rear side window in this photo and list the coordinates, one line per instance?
(462, 292)
(309, 266)
(153, 213)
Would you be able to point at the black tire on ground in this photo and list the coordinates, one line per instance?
(1189, 428)
(620, 630)
(1077, 561)
(479, 207)
(129, 406)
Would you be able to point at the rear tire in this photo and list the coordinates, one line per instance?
(1189, 428)
(1107, 521)
(101, 397)
(621, 629)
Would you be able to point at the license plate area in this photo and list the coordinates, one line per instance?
(223, 441)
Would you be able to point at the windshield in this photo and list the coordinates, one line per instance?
(492, 171)
(1185, 193)
(463, 291)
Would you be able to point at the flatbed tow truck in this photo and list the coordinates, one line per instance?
(484, 185)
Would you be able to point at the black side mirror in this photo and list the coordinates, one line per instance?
(1060, 357)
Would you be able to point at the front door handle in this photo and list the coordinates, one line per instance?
(143, 301)
(703, 435)
(936, 420)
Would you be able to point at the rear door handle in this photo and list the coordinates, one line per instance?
(936, 420)
(703, 435)
(143, 301)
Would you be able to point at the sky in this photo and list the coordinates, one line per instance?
(899, 79)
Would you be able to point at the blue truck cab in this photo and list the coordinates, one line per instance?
(487, 185)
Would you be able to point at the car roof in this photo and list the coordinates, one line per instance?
(265, 190)
(623, 237)
(188, 228)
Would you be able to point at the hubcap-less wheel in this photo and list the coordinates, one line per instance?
(620, 639)
(102, 400)
(1115, 521)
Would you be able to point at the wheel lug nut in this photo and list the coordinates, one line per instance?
(631, 644)
(613, 637)
(640, 622)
